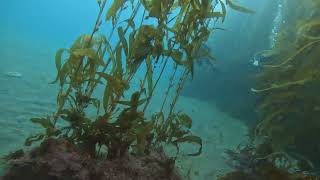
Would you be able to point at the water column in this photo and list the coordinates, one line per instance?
(277, 21)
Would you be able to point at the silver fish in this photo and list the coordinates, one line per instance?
(13, 74)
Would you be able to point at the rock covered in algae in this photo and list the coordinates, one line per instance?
(57, 159)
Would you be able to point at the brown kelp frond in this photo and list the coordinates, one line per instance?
(238, 7)
(283, 85)
(294, 56)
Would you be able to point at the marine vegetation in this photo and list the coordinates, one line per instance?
(253, 162)
(119, 127)
(288, 87)
(284, 145)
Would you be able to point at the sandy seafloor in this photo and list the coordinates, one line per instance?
(33, 96)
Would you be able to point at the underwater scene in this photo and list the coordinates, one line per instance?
(160, 90)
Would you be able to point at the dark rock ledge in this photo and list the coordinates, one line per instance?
(57, 159)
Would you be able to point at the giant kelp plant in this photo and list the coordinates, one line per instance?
(289, 88)
(285, 143)
(119, 128)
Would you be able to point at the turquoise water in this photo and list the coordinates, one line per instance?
(219, 101)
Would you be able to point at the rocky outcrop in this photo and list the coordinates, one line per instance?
(57, 159)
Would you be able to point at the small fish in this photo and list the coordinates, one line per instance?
(204, 58)
(13, 74)
(262, 56)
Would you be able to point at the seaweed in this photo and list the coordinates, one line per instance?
(284, 144)
(119, 126)
(93, 62)
(289, 88)
(259, 161)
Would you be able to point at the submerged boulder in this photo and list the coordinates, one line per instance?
(58, 159)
